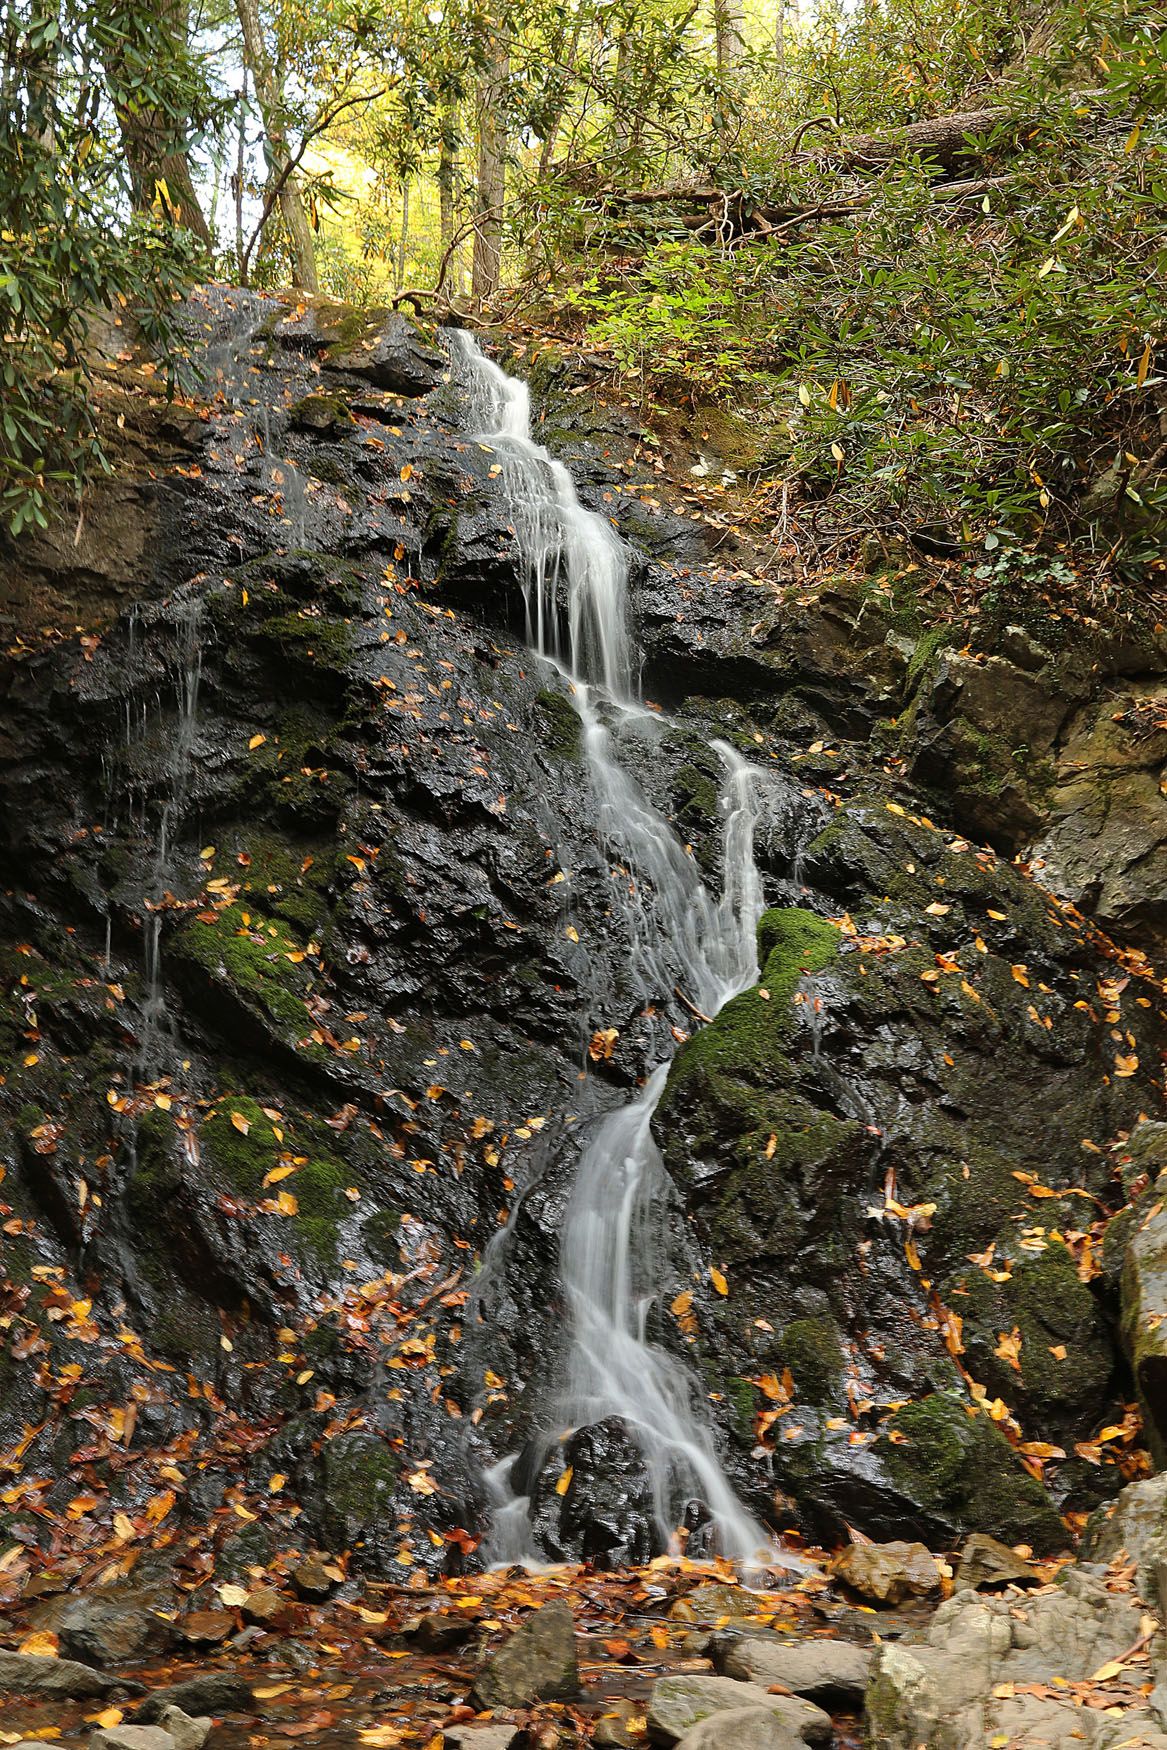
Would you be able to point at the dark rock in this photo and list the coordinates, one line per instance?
(606, 1513)
(985, 1563)
(313, 1581)
(489, 1735)
(112, 1631)
(435, 1633)
(214, 1692)
(887, 1573)
(390, 354)
(37, 1674)
(537, 1663)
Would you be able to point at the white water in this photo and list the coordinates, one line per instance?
(611, 1247)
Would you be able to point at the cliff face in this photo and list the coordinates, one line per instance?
(315, 982)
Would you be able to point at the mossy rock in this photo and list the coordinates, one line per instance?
(243, 1157)
(248, 954)
(1049, 1307)
(965, 1476)
(561, 729)
(811, 1349)
(321, 413)
(358, 1477)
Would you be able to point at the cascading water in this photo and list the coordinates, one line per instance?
(575, 589)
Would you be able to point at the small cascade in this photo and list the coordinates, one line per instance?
(575, 575)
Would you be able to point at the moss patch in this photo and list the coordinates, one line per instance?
(560, 725)
(250, 953)
(244, 1157)
(814, 1355)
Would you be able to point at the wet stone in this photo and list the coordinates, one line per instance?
(312, 1580)
(113, 1631)
(494, 1735)
(434, 1633)
(187, 1734)
(214, 1693)
(132, 1738)
(36, 1674)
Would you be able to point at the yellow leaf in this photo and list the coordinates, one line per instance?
(1112, 1668)
(564, 1482)
(406, 471)
(107, 1718)
(233, 1596)
(242, 1124)
(571, 933)
(42, 1642)
(276, 1174)
(682, 1303)
(286, 1203)
(276, 1482)
(256, 741)
(719, 1282)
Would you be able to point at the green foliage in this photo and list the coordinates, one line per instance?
(70, 245)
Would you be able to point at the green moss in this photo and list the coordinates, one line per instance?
(814, 1355)
(381, 1236)
(749, 1034)
(312, 638)
(359, 1476)
(244, 1157)
(321, 413)
(561, 725)
(742, 1396)
(1046, 1303)
(962, 1471)
(291, 880)
(252, 957)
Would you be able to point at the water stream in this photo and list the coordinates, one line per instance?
(575, 577)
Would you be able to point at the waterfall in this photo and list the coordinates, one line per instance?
(575, 578)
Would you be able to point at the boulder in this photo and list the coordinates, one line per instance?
(268, 1608)
(206, 1628)
(887, 1573)
(678, 1704)
(537, 1663)
(750, 1728)
(957, 1687)
(1134, 1525)
(1144, 1330)
(986, 1562)
(832, 1673)
(37, 1674)
(494, 1735)
(131, 1738)
(216, 1692)
(112, 1631)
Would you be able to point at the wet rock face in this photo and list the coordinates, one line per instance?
(307, 935)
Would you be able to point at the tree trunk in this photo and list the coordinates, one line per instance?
(158, 166)
(270, 98)
(729, 30)
(403, 239)
(492, 149)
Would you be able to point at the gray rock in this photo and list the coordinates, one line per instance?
(188, 1734)
(985, 1562)
(436, 1633)
(112, 1631)
(940, 1691)
(748, 1728)
(495, 1735)
(677, 1704)
(825, 1671)
(131, 1738)
(215, 1693)
(37, 1674)
(537, 1663)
